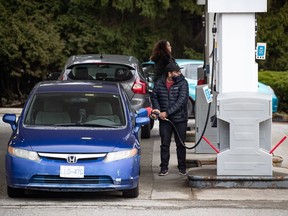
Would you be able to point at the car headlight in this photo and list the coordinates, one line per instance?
(30, 155)
(120, 155)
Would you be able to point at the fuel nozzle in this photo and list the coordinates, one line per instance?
(154, 115)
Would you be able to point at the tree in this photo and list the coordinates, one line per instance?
(30, 42)
(127, 27)
(38, 36)
(273, 29)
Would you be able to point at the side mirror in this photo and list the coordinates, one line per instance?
(53, 76)
(141, 119)
(142, 112)
(10, 119)
(150, 79)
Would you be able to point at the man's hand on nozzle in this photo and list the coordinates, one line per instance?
(163, 115)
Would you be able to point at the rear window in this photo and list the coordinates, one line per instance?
(108, 72)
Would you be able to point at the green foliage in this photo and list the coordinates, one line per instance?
(28, 36)
(38, 36)
(192, 54)
(125, 27)
(278, 82)
(152, 8)
(273, 29)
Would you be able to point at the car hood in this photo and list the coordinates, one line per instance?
(264, 88)
(74, 141)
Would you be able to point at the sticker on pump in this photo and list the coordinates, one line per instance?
(261, 51)
(207, 93)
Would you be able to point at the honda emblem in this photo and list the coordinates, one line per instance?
(71, 159)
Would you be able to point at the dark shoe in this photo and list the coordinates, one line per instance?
(182, 172)
(163, 172)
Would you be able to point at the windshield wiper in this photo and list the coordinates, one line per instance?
(84, 125)
(99, 125)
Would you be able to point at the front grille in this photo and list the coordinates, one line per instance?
(58, 157)
(53, 179)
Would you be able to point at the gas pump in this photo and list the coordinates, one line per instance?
(244, 116)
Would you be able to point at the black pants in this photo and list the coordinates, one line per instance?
(166, 131)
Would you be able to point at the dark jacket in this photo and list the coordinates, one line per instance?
(174, 101)
(160, 65)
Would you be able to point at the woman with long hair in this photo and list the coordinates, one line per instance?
(161, 56)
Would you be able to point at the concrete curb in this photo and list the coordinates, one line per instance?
(279, 118)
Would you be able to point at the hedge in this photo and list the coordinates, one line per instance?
(277, 80)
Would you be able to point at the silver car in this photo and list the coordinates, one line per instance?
(114, 68)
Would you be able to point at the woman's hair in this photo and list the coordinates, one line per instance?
(160, 49)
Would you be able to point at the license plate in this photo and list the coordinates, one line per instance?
(72, 171)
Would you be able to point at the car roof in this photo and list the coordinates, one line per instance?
(148, 63)
(179, 61)
(188, 61)
(102, 58)
(78, 86)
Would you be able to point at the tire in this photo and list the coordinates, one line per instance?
(132, 193)
(151, 124)
(146, 131)
(15, 192)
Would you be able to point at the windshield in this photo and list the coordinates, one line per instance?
(110, 72)
(75, 109)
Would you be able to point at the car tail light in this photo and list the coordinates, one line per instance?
(201, 82)
(139, 87)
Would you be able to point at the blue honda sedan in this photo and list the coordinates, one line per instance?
(75, 136)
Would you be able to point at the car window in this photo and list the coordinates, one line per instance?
(110, 72)
(148, 69)
(190, 70)
(129, 107)
(75, 109)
